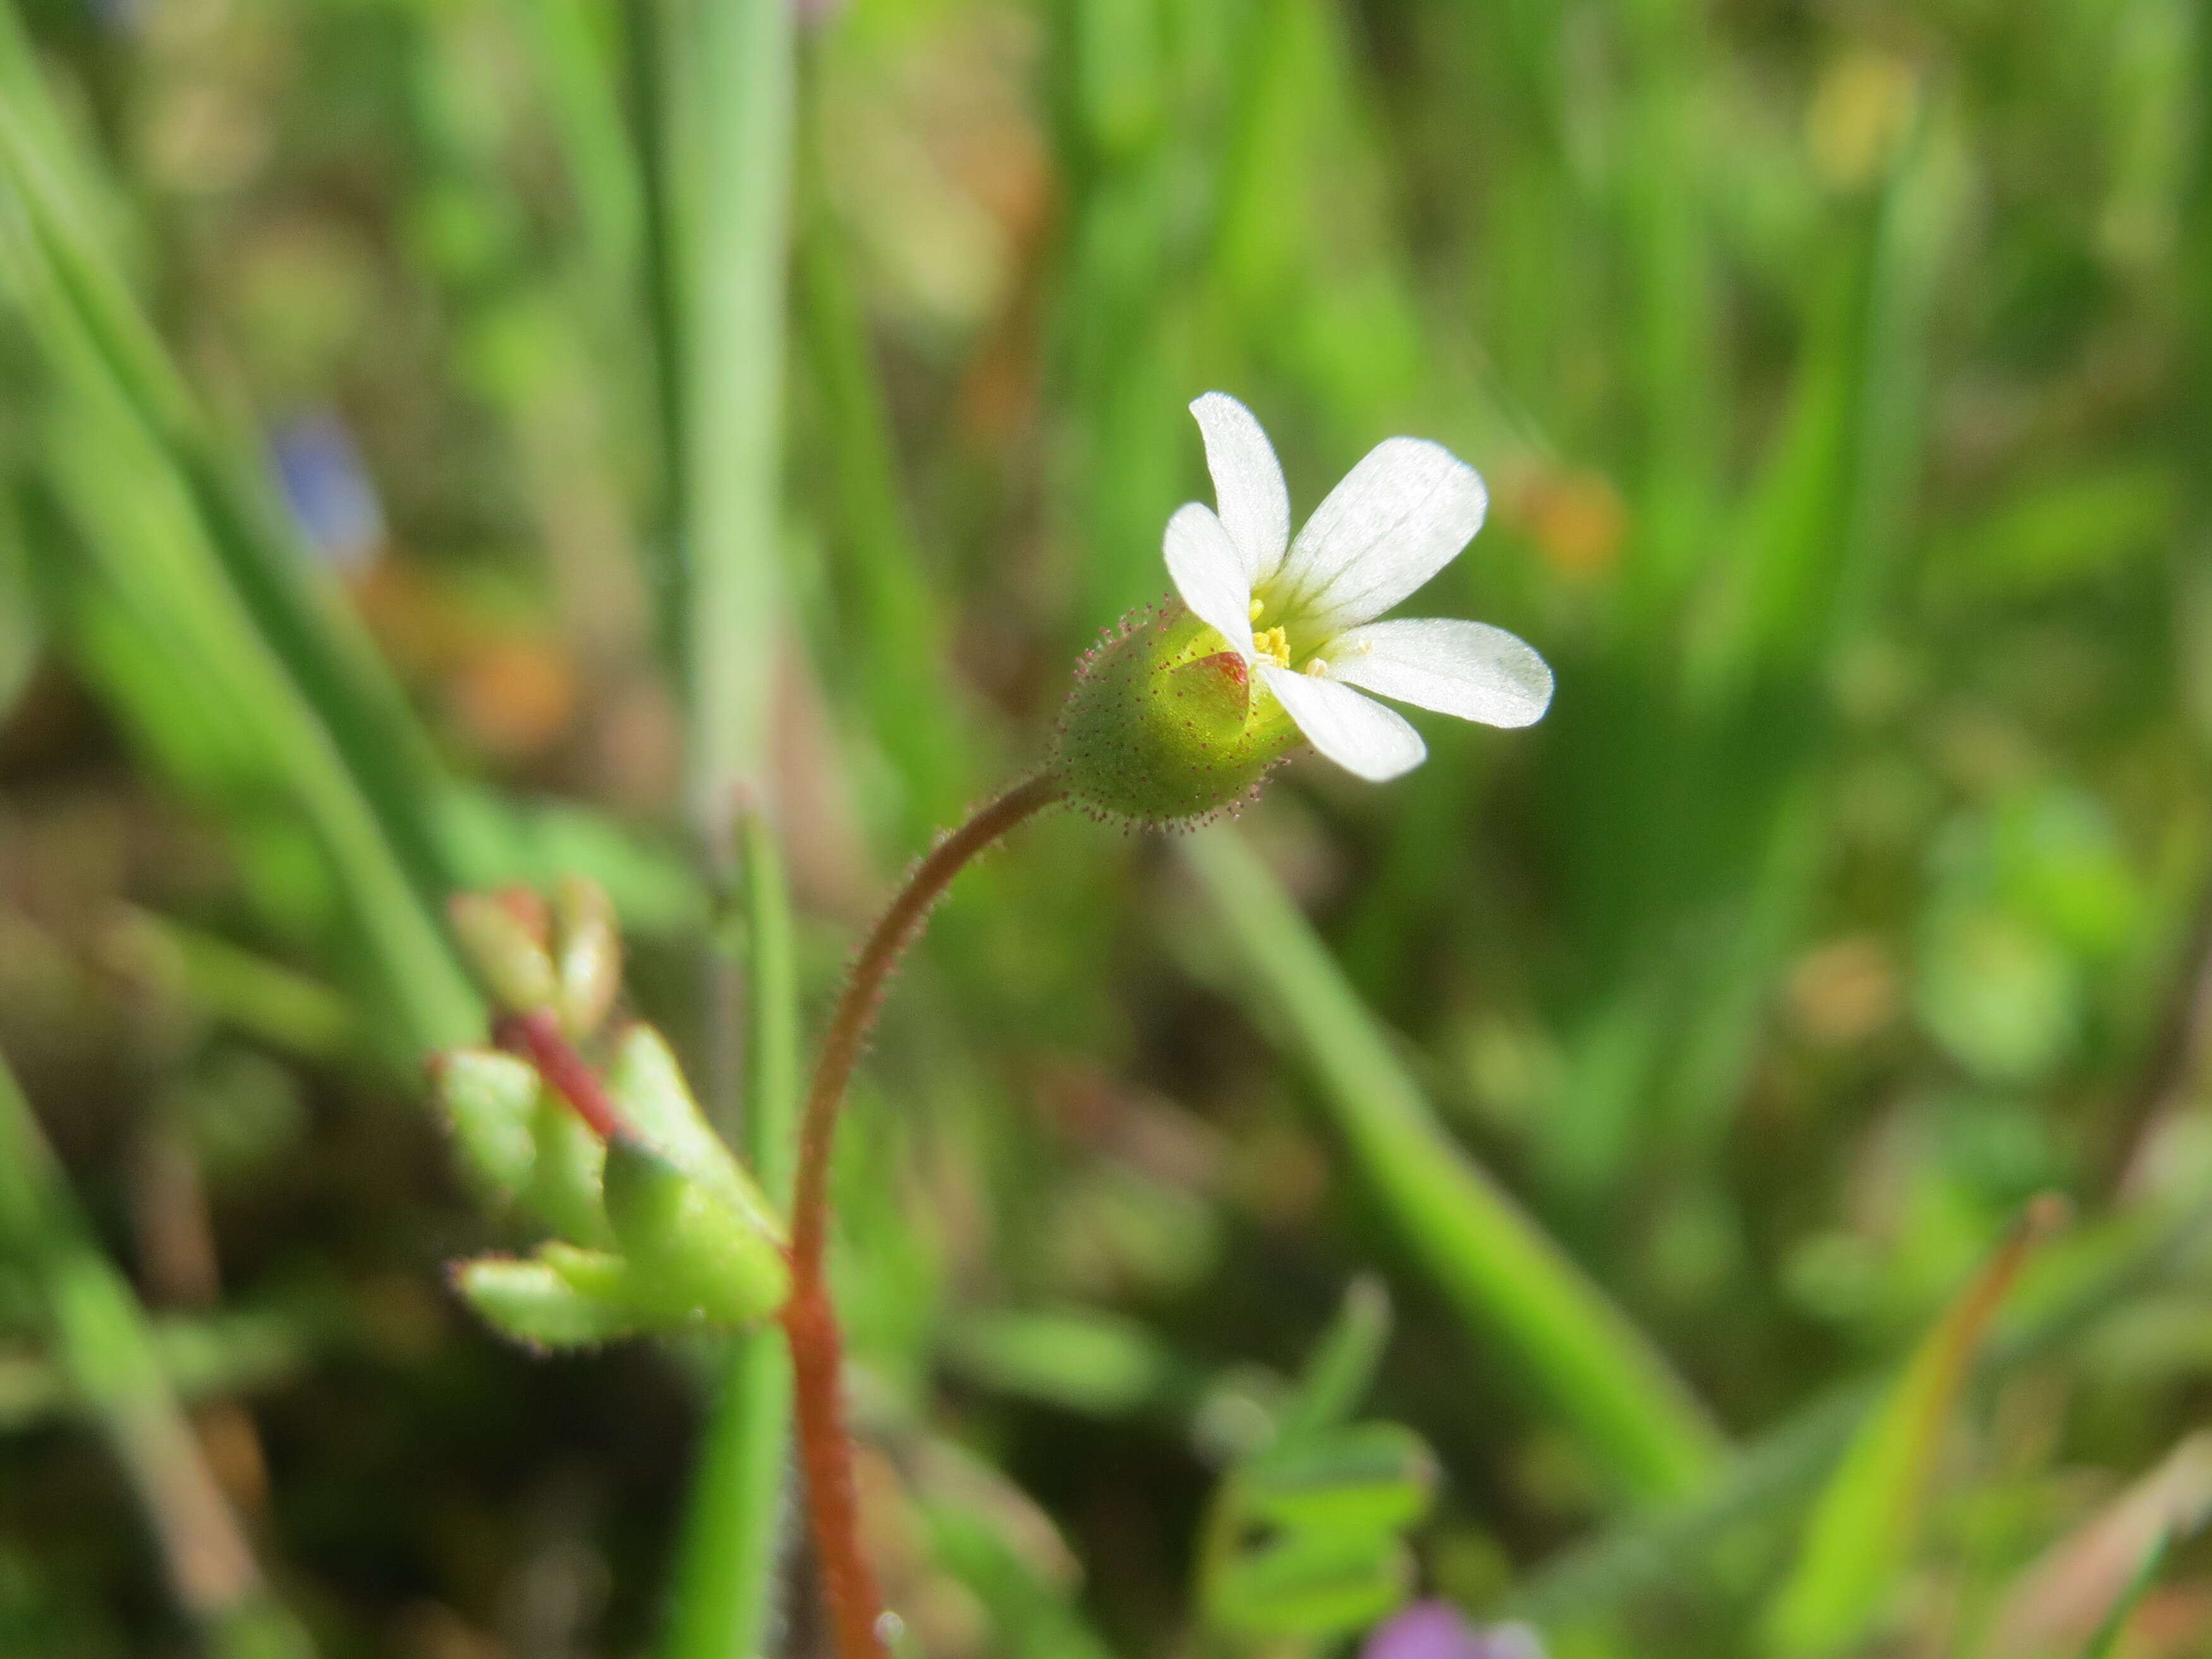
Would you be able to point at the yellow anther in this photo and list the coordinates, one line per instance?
(1274, 646)
(1257, 607)
(1318, 669)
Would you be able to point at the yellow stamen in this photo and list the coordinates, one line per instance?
(1257, 607)
(1274, 646)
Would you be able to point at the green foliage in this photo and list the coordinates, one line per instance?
(1842, 385)
(1307, 1534)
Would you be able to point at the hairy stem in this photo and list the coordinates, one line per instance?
(810, 1321)
(538, 1036)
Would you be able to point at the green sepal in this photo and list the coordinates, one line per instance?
(532, 1304)
(692, 1252)
(647, 1088)
(1165, 726)
(490, 1101)
(564, 1189)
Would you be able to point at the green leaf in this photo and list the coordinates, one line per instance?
(1310, 1584)
(1365, 1478)
(567, 1174)
(1086, 1362)
(648, 1088)
(1338, 1375)
(535, 1305)
(1510, 1283)
(693, 1252)
(489, 1100)
(1867, 1520)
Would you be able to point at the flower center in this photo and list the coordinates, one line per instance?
(1272, 646)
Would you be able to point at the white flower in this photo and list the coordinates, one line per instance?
(1302, 613)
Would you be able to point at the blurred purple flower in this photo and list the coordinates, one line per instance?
(329, 488)
(1434, 1630)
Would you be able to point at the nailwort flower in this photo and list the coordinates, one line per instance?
(1302, 613)
(1276, 640)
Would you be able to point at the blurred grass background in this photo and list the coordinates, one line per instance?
(422, 466)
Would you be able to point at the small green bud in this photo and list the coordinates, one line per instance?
(589, 964)
(507, 952)
(535, 1305)
(693, 1251)
(648, 1087)
(489, 1100)
(1164, 726)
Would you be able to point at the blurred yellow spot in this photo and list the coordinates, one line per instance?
(515, 696)
(1575, 519)
(1274, 646)
(1860, 113)
(1844, 992)
(1258, 607)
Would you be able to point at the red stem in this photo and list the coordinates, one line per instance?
(538, 1035)
(810, 1321)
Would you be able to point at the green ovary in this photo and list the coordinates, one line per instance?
(1165, 726)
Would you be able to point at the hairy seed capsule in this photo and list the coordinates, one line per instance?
(1165, 728)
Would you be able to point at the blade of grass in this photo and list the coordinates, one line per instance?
(2107, 1637)
(901, 639)
(725, 1569)
(581, 72)
(733, 191)
(2073, 1285)
(724, 76)
(322, 649)
(1864, 1524)
(152, 567)
(105, 1347)
(1510, 1281)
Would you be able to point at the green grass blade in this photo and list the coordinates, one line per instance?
(324, 649)
(1665, 1551)
(725, 1572)
(162, 626)
(106, 1350)
(1512, 1284)
(2107, 1635)
(896, 631)
(1863, 1526)
(733, 187)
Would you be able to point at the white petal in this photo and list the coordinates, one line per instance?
(1465, 668)
(1358, 734)
(1398, 518)
(1209, 573)
(1248, 482)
